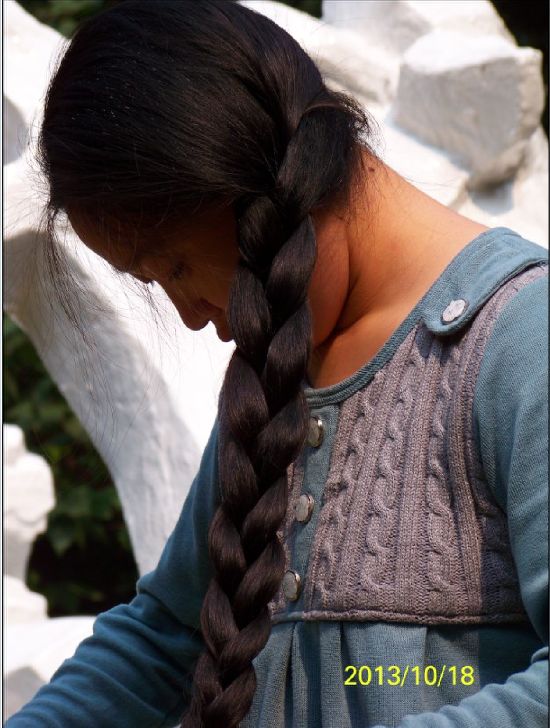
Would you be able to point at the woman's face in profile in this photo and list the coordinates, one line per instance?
(195, 265)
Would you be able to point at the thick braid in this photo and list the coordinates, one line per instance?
(263, 425)
(231, 111)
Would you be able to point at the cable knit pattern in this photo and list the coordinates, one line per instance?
(409, 530)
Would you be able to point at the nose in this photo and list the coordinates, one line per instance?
(193, 322)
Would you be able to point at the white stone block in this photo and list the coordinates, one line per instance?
(479, 98)
(426, 167)
(13, 443)
(21, 605)
(341, 54)
(520, 203)
(397, 24)
(28, 497)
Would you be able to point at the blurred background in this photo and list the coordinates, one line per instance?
(85, 530)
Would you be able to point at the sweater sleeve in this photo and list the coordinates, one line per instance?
(511, 420)
(136, 668)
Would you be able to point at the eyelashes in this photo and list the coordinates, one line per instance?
(176, 274)
(178, 271)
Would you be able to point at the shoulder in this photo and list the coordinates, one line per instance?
(511, 388)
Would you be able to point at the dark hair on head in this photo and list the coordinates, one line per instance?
(159, 110)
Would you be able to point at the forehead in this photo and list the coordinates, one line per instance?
(119, 246)
(202, 238)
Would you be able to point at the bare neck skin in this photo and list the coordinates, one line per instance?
(395, 245)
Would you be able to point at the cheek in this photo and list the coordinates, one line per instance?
(216, 290)
(217, 283)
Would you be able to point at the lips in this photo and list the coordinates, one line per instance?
(222, 327)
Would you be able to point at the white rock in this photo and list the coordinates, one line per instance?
(33, 651)
(396, 24)
(46, 645)
(426, 167)
(479, 98)
(341, 55)
(36, 45)
(28, 497)
(521, 203)
(21, 605)
(13, 444)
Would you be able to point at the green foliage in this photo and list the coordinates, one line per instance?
(85, 529)
(65, 15)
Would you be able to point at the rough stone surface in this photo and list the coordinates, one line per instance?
(479, 98)
(397, 24)
(423, 165)
(341, 54)
(521, 203)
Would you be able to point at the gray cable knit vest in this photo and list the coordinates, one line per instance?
(409, 530)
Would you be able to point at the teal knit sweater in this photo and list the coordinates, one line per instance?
(417, 585)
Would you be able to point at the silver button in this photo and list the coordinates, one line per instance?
(454, 310)
(316, 432)
(304, 508)
(292, 585)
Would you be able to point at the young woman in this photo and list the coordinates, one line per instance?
(365, 541)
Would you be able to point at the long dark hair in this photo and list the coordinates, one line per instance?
(159, 110)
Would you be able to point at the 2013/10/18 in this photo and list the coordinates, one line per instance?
(393, 675)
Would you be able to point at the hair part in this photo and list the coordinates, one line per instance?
(156, 113)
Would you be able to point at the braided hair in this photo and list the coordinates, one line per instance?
(157, 110)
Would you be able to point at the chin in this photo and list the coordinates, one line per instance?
(222, 332)
(225, 336)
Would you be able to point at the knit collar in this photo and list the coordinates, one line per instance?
(471, 277)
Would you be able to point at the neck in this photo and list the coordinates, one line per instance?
(397, 238)
(396, 242)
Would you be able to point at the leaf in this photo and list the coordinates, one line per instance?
(61, 533)
(76, 502)
(105, 504)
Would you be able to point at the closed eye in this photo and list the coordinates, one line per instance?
(178, 271)
(176, 274)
